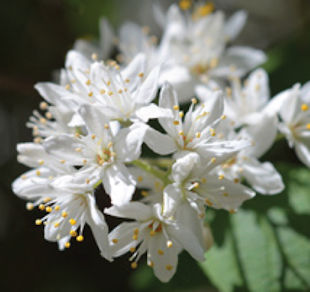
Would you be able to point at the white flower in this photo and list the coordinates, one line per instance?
(101, 153)
(198, 46)
(194, 182)
(68, 208)
(124, 94)
(101, 49)
(197, 132)
(262, 177)
(293, 106)
(161, 238)
(244, 104)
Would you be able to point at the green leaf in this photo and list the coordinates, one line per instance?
(221, 265)
(265, 246)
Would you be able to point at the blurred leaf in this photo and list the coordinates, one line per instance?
(266, 244)
(221, 265)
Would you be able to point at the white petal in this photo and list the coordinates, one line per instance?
(152, 111)
(171, 200)
(262, 177)
(128, 142)
(303, 153)
(119, 184)
(159, 143)
(164, 264)
(106, 37)
(64, 147)
(235, 24)
(243, 59)
(99, 227)
(132, 210)
(149, 87)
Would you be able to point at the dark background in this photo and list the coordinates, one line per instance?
(35, 36)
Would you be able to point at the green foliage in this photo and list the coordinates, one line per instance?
(265, 246)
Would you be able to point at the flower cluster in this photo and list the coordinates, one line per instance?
(90, 129)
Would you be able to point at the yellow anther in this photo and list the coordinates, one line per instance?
(134, 265)
(84, 161)
(185, 4)
(56, 224)
(169, 267)
(141, 74)
(176, 122)
(43, 105)
(198, 135)
(308, 126)
(304, 107)
(56, 208)
(213, 160)
(94, 56)
(48, 209)
(203, 180)
(152, 232)
(102, 91)
(196, 185)
(72, 221)
(42, 120)
(29, 206)
(110, 93)
(48, 115)
(109, 83)
(110, 144)
(80, 238)
(140, 178)
(64, 214)
(62, 161)
(176, 107)
(24, 177)
(38, 222)
(47, 199)
(144, 193)
(214, 62)
(41, 162)
(37, 140)
(160, 252)
(221, 176)
(135, 237)
(77, 135)
(232, 211)
(106, 126)
(136, 231)
(208, 202)
(257, 87)
(132, 249)
(41, 207)
(225, 194)
(194, 101)
(212, 132)
(90, 94)
(78, 149)
(205, 9)
(120, 91)
(67, 86)
(181, 114)
(181, 133)
(236, 180)
(115, 240)
(67, 244)
(127, 80)
(73, 233)
(223, 117)
(125, 89)
(93, 136)
(88, 180)
(169, 243)
(150, 264)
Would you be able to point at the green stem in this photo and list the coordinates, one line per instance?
(147, 167)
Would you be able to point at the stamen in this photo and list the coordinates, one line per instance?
(29, 206)
(80, 238)
(72, 221)
(304, 107)
(160, 252)
(169, 243)
(134, 265)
